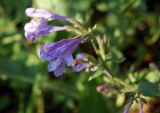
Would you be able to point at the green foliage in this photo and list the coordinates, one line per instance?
(89, 99)
(95, 75)
(149, 89)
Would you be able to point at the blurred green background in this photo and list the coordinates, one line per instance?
(132, 26)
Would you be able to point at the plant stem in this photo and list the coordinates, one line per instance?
(78, 24)
(104, 66)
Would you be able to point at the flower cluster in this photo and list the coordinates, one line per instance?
(85, 62)
(58, 54)
(38, 27)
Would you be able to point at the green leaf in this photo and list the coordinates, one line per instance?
(149, 89)
(153, 74)
(5, 101)
(91, 101)
(116, 60)
(115, 55)
(102, 6)
(97, 74)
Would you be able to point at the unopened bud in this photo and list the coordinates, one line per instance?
(102, 88)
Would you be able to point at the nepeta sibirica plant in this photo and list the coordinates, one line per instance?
(59, 54)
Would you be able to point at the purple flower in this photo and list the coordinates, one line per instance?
(141, 106)
(57, 53)
(42, 13)
(82, 56)
(78, 63)
(39, 28)
(58, 66)
(128, 106)
(83, 62)
(79, 67)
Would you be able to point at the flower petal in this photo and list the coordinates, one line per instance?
(79, 67)
(141, 106)
(42, 13)
(43, 54)
(69, 60)
(60, 49)
(38, 28)
(60, 70)
(128, 107)
(54, 64)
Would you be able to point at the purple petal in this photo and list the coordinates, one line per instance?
(59, 49)
(128, 107)
(141, 106)
(39, 28)
(79, 67)
(69, 60)
(43, 54)
(80, 56)
(42, 13)
(31, 36)
(60, 70)
(54, 64)
(57, 66)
